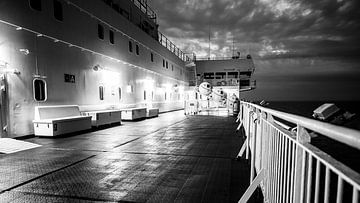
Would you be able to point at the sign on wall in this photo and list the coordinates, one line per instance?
(69, 78)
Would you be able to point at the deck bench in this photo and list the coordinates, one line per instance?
(57, 120)
(133, 113)
(152, 112)
(103, 117)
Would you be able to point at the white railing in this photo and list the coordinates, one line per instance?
(287, 167)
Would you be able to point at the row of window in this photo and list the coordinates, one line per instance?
(58, 8)
(58, 14)
(40, 91)
(137, 48)
(220, 75)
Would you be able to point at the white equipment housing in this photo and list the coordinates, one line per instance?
(103, 117)
(57, 120)
(133, 113)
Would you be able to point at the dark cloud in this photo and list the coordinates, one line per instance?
(302, 49)
(265, 28)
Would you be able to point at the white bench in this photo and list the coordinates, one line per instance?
(57, 120)
(152, 112)
(133, 113)
(103, 117)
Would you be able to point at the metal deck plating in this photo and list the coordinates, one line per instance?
(165, 159)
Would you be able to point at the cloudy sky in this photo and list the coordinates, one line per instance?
(302, 49)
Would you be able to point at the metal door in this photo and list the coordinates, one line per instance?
(3, 106)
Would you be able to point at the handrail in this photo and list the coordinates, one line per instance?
(292, 168)
(344, 135)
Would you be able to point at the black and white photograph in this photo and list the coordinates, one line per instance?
(180, 101)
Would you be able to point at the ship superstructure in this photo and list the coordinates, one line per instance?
(62, 52)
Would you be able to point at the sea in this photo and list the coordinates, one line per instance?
(341, 152)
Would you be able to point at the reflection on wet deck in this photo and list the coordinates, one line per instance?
(165, 159)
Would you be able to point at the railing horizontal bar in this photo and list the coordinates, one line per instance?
(341, 134)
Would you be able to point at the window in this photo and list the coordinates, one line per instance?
(116, 7)
(220, 75)
(246, 73)
(163, 62)
(244, 83)
(119, 93)
(39, 90)
(58, 10)
(111, 37)
(167, 65)
(100, 31)
(130, 47)
(152, 57)
(152, 96)
(144, 95)
(233, 74)
(172, 67)
(165, 96)
(137, 50)
(101, 92)
(35, 4)
(208, 75)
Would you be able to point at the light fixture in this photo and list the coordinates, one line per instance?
(98, 68)
(39, 35)
(19, 28)
(24, 51)
(56, 40)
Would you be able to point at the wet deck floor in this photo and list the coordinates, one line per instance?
(165, 159)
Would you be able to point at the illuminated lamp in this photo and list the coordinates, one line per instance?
(24, 51)
(129, 89)
(98, 68)
(39, 35)
(19, 28)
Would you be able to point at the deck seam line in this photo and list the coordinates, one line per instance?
(184, 155)
(67, 196)
(45, 174)
(166, 127)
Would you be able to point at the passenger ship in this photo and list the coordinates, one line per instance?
(107, 54)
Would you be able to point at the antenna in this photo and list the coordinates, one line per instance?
(233, 49)
(209, 43)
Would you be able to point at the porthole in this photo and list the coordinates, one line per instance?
(35, 4)
(101, 92)
(39, 90)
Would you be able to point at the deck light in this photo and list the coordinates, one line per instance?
(24, 51)
(98, 68)
(19, 28)
(39, 35)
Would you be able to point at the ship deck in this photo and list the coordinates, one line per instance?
(169, 158)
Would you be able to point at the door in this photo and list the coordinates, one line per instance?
(3, 106)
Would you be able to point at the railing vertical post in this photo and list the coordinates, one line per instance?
(302, 137)
(249, 133)
(253, 149)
